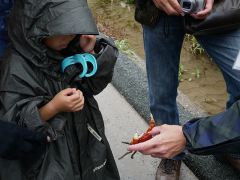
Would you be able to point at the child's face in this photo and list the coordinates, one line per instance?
(58, 43)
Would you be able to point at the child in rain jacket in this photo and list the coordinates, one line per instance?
(37, 95)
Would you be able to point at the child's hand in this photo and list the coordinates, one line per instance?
(87, 43)
(68, 100)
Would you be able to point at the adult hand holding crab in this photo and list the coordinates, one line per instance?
(168, 141)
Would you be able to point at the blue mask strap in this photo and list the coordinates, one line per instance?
(73, 60)
(90, 58)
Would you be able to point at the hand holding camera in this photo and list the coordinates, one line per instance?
(171, 7)
(198, 9)
(192, 6)
(174, 7)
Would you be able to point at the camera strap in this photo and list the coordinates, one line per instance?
(164, 28)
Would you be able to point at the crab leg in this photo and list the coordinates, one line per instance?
(126, 143)
(124, 155)
(139, 139)
(133, 154)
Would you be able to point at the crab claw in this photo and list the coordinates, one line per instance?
(135, 139)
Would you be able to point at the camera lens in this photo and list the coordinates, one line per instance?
(187, 5)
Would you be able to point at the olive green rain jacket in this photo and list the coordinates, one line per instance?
(31, 76)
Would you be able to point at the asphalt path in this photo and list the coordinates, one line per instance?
(131, 83)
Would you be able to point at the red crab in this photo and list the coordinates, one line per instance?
(138, 139)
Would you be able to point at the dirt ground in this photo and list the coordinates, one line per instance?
(206, 92)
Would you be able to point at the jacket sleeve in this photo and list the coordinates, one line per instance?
(22, 93)
(30, 118)
(106, 56)
(215, 134)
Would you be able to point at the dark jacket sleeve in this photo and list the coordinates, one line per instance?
(106, 56)
(215, 134)
(30, 118)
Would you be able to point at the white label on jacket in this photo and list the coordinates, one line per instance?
(237, 62)
(91, 130)
(100, 167)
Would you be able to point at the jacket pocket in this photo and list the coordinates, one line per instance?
(98, 153)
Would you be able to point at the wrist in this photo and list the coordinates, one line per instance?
(48, 111)
(183, 137)
(53, 107)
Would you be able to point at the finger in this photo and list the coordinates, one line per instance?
(207, 10)
(33, 136)
(199, 17)
(136, 147)
(79, 108)
(83, 40)
(73, 90)
(48, 139)
(92, 38)
(169, 9)
(144, 146)
(75, 98)
(80, 94)
(67, 91)
(204, 13)
(157, 155)
(82, 100)
(78, 104)
(155, 131)
(164, 156)
(176, 6)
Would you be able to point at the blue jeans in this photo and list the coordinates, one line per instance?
(162, 63)
(3, 45)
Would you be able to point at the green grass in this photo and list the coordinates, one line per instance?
(124, 46)
(130, 1)
(198, 47)
(183, 71)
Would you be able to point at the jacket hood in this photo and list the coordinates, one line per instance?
(29, 21)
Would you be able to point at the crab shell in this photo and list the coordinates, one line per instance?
(142, 138)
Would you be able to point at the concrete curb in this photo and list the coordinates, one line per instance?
(131, 82)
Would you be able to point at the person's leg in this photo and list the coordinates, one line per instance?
(162, 63)
(3, 45)
(223, 49)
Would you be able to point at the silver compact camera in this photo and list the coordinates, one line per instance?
(192, 6)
